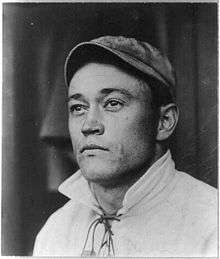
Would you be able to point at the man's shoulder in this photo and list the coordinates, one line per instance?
(196, 189)
(194, 197)
(64, 214)
(60, 215)
(56, 225)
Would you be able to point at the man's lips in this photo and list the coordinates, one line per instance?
(92, 147)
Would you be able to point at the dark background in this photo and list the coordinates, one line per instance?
(36, 148)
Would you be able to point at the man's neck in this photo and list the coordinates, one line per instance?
(110, 198)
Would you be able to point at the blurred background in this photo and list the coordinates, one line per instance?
(36, 145)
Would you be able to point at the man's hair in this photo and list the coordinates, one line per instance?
(160, 95)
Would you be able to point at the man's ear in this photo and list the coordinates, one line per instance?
(167, 121)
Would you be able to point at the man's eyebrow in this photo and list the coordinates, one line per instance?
(104, 91)
(74, 97)
(119, 90)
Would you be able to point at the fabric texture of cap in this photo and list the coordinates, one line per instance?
(139, 55)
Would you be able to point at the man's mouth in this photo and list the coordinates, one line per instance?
(92, 147)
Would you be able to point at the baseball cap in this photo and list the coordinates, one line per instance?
(137, 54)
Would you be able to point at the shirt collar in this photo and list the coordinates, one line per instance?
(148, 186)
(77, 189)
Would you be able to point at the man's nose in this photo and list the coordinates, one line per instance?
(92, 123)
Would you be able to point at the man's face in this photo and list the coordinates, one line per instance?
(110, 123)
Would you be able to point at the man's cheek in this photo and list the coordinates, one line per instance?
(118, 152)
(75, 145)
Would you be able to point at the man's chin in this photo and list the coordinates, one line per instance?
(97, 172)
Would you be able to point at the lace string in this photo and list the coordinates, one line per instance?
(102, 243)
(87, 236)
(103, 219)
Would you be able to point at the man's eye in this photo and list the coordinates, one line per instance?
(113, 105)
(77, 109)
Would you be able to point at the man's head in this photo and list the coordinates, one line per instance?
(118, 115)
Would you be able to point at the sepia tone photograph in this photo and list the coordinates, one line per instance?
(109, 133)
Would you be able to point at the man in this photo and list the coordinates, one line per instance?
(127, 199)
